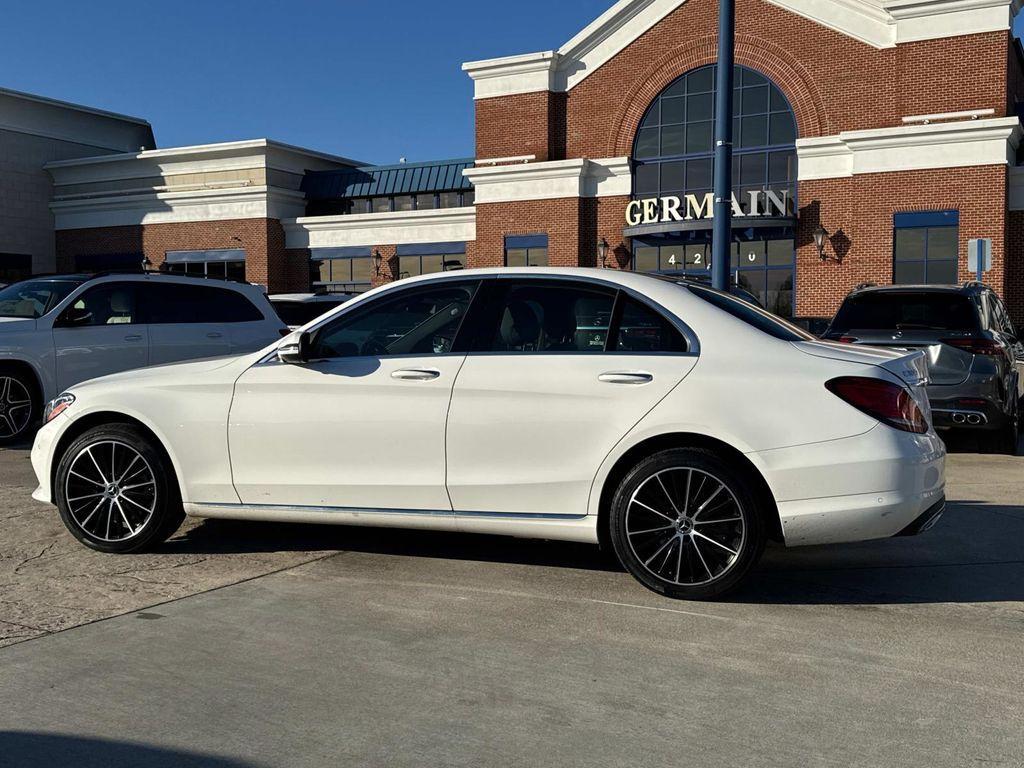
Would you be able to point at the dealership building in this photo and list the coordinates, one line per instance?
(872, 138)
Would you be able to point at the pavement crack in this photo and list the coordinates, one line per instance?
(41, 553)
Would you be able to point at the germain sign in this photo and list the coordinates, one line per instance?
(658, 210)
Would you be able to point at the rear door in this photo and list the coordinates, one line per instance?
(559, 372)
(185, 321)
(100, 332)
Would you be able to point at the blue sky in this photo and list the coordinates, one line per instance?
(373, 80)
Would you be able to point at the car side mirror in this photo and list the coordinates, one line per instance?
(294, 349)
(74, 317)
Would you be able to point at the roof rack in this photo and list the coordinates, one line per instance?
(974, 284)
(862, 286)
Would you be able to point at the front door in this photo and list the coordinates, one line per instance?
(360, 426)
(566, 370)
(100, 333)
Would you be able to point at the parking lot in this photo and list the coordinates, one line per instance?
(261, 645)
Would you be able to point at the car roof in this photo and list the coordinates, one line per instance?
(966, 288)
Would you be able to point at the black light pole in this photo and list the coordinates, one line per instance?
(722, 233)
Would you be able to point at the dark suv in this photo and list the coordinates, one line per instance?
(975, 358)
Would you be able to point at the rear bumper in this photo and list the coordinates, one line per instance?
(871, 486)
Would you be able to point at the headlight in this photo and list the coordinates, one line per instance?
(57, 406)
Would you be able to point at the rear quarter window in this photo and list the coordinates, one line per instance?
(761, 319)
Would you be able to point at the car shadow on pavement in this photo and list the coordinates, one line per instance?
(975, 554)
(25, 749)
(234, 536)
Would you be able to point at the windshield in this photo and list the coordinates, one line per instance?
(761, 319)
(34, 298)
(906, 311)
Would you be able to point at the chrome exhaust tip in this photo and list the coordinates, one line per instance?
(959, 418)
(973, 418)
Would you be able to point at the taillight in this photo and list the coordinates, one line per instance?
(847, 339)
(977, 346)
(883, 400)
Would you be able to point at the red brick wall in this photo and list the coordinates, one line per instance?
(266, 260)
(520, 124)
(858, 212)
(834, 82)
(560, 219)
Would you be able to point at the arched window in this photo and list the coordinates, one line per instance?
(673, 155)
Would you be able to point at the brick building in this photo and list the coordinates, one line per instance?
(890, 124)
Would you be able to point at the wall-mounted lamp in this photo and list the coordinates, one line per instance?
(820, 238)
(602, 253)
(378, 260)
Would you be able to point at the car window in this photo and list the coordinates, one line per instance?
(552, 317)
(417, 322)
(906, 311)
(178, 303)
(759, 318)
(34, 298)
(107, 304)
(642, 329)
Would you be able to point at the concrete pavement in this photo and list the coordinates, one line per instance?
(310, 646)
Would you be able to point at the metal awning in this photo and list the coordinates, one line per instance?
(192, 257)
(386, 180)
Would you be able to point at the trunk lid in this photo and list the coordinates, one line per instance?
(909, 365)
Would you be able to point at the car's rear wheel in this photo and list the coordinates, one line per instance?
(686, 524)
(1006, 439)
(116, 491)
(19, 405)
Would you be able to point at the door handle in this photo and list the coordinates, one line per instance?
(215, 335)
(416, 374)
(626, 377)
(133, 337)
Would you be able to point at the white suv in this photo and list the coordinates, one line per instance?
(60, 330)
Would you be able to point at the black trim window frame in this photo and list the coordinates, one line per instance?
(138, 314)
(484, 318)
(925, 223)
(366, 307)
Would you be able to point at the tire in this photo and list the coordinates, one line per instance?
(660, 538)
(1005, 440)
(20, 405)
(116, 491)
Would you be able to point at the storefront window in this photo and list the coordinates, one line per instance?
(410, 266)
(674, 157)
(15, 267)
(925, 247)
(338, 271)
(222, 264)
(526, 251)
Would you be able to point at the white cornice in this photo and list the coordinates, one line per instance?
(395, 228)
(551, 180)
(878, 23)
(528, 73)
(909, 148)
(178, 207)
(886, 23)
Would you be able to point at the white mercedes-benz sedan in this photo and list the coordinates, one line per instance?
(681, 426)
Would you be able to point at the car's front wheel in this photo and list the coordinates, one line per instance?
(116, 491)
(686, 524)
(19, 405)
